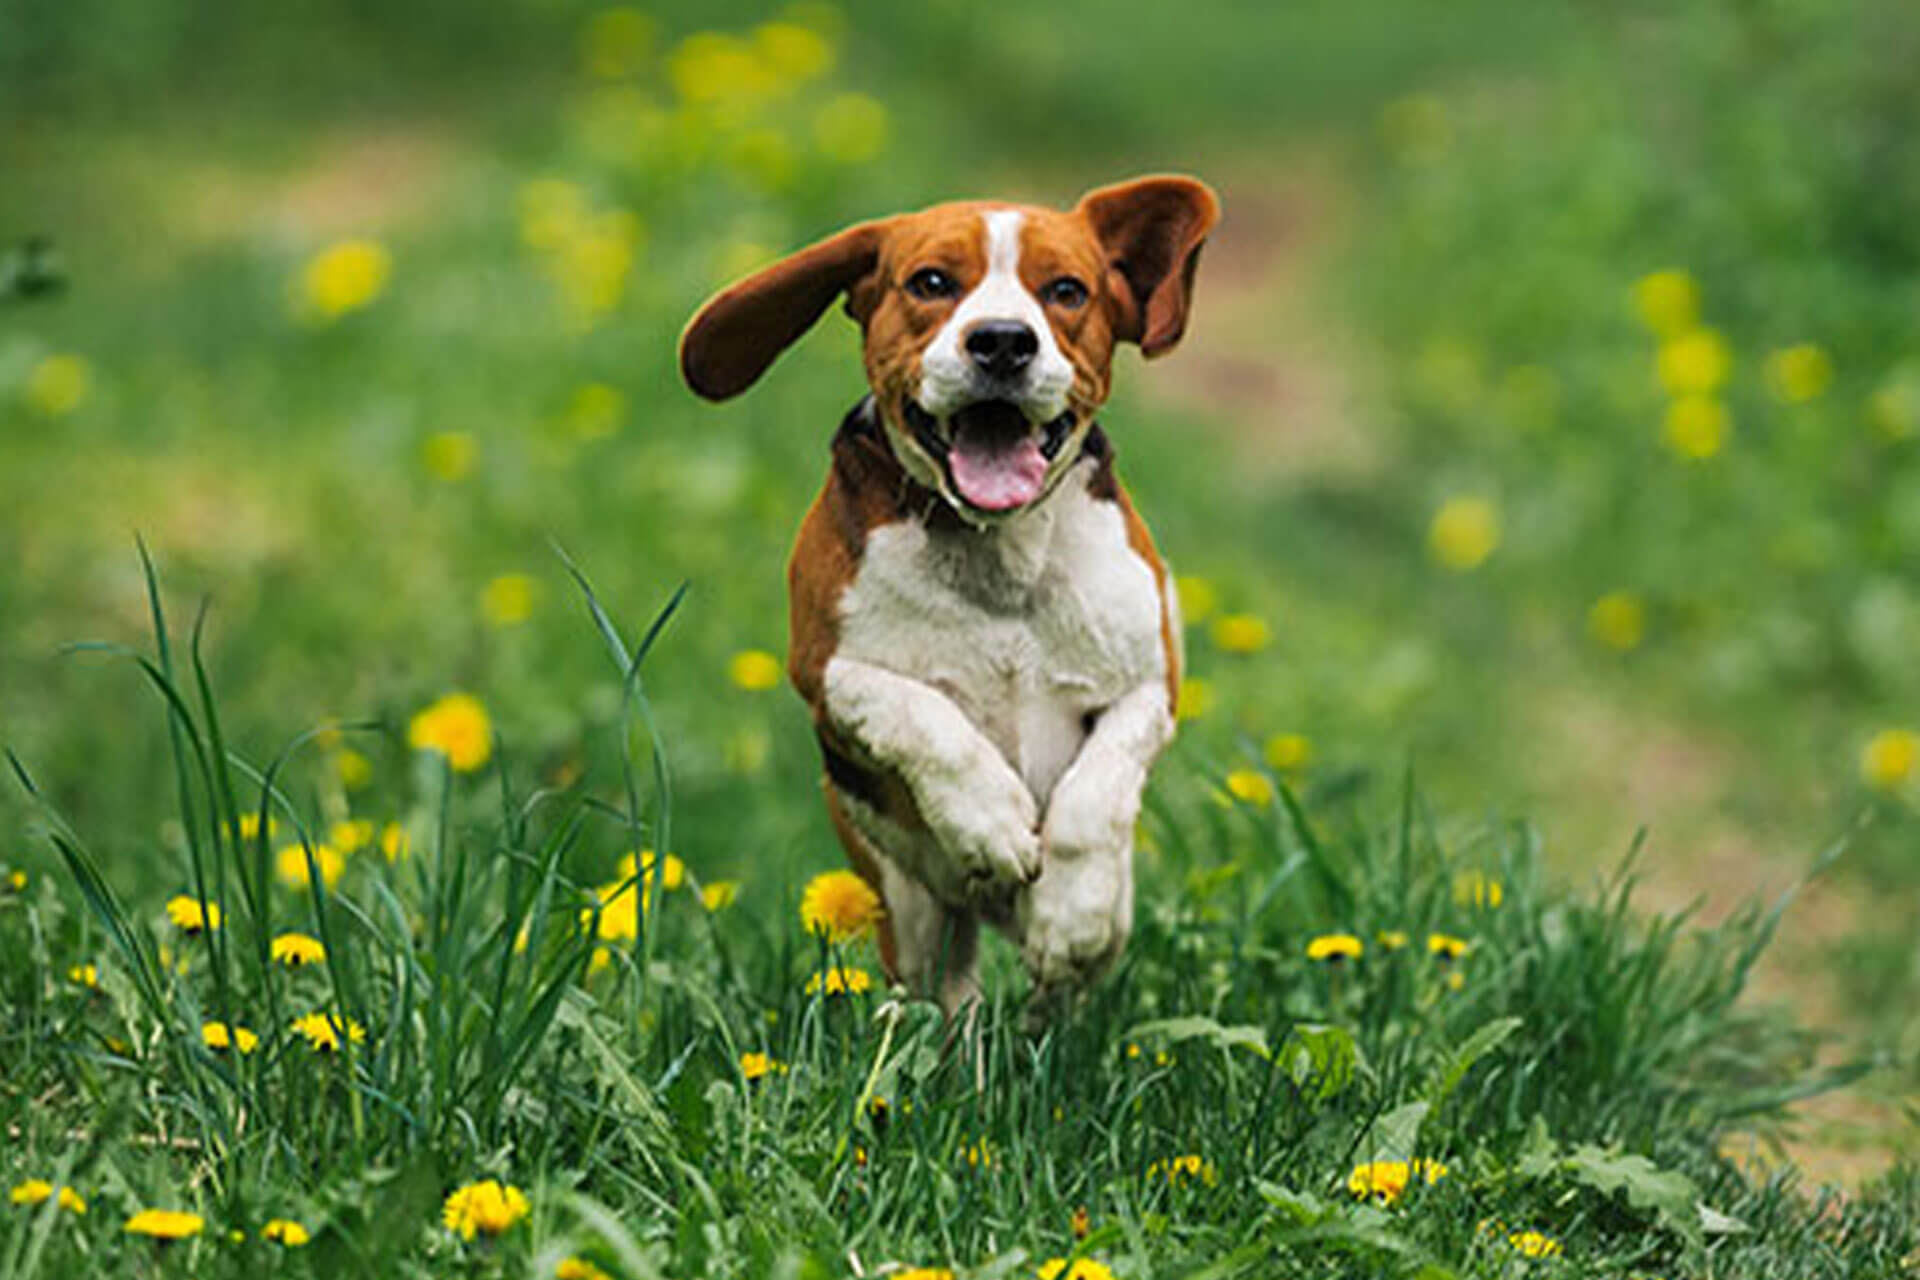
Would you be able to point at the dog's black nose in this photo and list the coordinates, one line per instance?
(1002, 348)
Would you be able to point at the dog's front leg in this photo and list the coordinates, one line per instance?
(980, 813)
(1076, 917)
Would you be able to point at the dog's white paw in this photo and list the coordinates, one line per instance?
(1074, 921)
(988, 822)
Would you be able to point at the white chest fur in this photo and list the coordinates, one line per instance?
(1031, 628)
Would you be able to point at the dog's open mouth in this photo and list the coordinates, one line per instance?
(995, 459)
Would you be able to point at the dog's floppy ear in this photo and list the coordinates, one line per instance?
(1152, 230)
(730, 343)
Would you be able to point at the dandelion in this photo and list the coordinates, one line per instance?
(1464, 532)
(449, 455)
(592, 267)
(719, 895)
(1668, 302)
(673, 872)
(850, 128)
(354, 770)
(37, 1191)
(709, 68)
(350, 834)
(1391, 939)
(977, 1154)
(507, 601)
(393, 841)
(458, 728)
(345, 277)
(220, 1036)
(596, 411)
(323, 1031)
(1696, 427)
(58, 384)
(754, 670)
(1475, 889)
(290, 864)
(1388, 1180)
(924, 1273)
(1444, 946)
(1694, 363)
(84, 975)
(483, 1208)
(1241, 633)
(1197, 596)
(1081, 1269)
(578, 1268)
(1618, 621)
(165, 1225)
(286, 1233)
(1194, 699)
(1799, 373)
(1250, 786)
(1894, 407)
(840, 981)
(1334, 947)
(1287, 751)
(618, 42)
(1187, 1168)
(841, 905)
(1533, 1244)
(17, 881)
(1082, 1222)
(250, 826)
(1890, 758)
(296, 949)
(755, 1066)
(191, 915)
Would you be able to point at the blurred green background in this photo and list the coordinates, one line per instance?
(1549, 424)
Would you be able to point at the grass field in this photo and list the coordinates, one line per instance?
(1545, 445)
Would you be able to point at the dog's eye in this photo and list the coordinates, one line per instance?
(930, 283)
(1065, 292)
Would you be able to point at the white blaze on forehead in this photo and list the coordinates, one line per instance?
(950, 380)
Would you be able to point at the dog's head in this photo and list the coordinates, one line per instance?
(990, 328)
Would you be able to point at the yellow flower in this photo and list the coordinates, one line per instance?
(38, 1191)
(1533, 1244)
(755, 1065)
(1241, 633)
(596, 411)
(1474, 889)
(218, 1035)
(1391, 939)
(1694, 363)
(719, 895)
(1890, 758)
(458, 728)
(1445, 946)
(483, 1208)
(840, 981)
(552, 211)
(754, 669)
(285, 1232)
(978, 1155)
(345, 277)
(618, 42)
(296, 949)
(507, 600)
(1668, 302)
(355, 770)
(1250, 786)
(1082, 1269)
(350, 834)
(1334, 947)
(1286, 751)
(1387, 1180)
(165, 1225)
(250, 825)
(191, 915)
(1799, 373)
(323, 1031)
(673, 872)
(591, 267)
(1618, 620)
(1188, 1168)
(793, 51)
(841, 905)
(850, 128)
(84, 975)
(709, 67)
(17, 881)
(1697, 427)
(393, 841)
(1197, 596)
(1465, 531)
(1195, 698)
(449, 455)
(290, 864)
(1894, 407)
(577, 1268)
(924, 1273)
(57, 384)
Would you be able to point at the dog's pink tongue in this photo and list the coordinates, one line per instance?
(996, 462)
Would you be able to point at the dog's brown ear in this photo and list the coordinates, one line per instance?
(1152, 230)
(730, 343)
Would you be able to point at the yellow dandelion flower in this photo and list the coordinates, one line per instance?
(1464, 532)
(578, 1268)
(1241, 633)
(165, 1225)
(449, 455)
(84, 975)
(924, 1273)
(37, 1191)
(286, 1233)
(618, 42)
(596, 411)
(1533, 1244)
(219, 1036)
(1250, 786)
(792, 50)
(345, 277)
(1286, 751)
(1618, 620)
(1890, 758)
(290, 864)
(323, 1031)
(840, 981)
(621, 902)
(354, 770)
(754, 669)
(1197, 596)
(17, 881)
(1476, 889)
(673, 872)
(977, 1154)
(458, 728)
(1195, 698)
(850, 128)
(1894, 407)
(250, 826)
(1080, 1269)
(841, 905)
(507, 601)
(483, 1208)
(190, 915)
(591, 269)
(552, 211)
(393, 841)
(296, 949)
(1799, 373)
(1696, 427)
(1388, 1180)
(1668, 302)
(1133, 1050)
(1334, 947)
(754, 1066)
(58, 384)
(719, 895)
(1391, 939)
(1694, 363)
(350, 834)
(1082, 1222)
(1445, 946)
(1187, 1168)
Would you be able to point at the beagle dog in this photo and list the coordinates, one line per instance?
(978, 619)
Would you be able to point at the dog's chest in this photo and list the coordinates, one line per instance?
(1031, 629)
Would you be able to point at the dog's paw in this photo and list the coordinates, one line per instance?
(1074, 921)
(989, 826)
